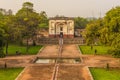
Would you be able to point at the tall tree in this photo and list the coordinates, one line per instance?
(2, 42)
(112, 21)
(29, 20)
(93, 31)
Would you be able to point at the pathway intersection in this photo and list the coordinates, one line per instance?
(58, 71)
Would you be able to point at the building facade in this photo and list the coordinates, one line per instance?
(63, 26)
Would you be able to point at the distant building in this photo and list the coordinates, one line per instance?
(63, 26)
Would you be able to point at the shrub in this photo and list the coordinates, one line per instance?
(115, 52)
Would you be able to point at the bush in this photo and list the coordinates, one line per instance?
(115, 52)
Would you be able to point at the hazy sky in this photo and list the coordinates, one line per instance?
(70, 8)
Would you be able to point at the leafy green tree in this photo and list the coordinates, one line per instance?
(43, 20)
(28, 19)
(112, 24)
(93, 32)
(2, 42)
(8, 29)
(28, 5)
(104, 35)
(80, 22)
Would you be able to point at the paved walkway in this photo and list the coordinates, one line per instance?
(53, 50)
(17, 61)
(34, 71)
(100, 61)
(64, 72)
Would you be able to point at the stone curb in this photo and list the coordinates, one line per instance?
(52, 78)
(79, 52)
(34, 58)
(55, 72)
(19, 76)
(91, 77)
(40, 50)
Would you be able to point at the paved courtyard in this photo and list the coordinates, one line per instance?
(59, 71)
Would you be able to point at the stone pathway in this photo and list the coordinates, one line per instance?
(37, 72)
(53, 50)
(100, 61)
(65, 71)
(16, 61)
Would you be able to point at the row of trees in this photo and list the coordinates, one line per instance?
(22, 25)
(106, 31)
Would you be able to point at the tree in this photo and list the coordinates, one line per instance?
(28, 19)
(43, 20)
(80, 22)
(93, 32)
(28, 5)
(7, 22)
(104, 35)
(112, 28)
(2, 42)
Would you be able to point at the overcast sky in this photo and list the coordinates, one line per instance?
(69, 8)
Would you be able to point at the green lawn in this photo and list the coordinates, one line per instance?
(22, 49)
(9, 73)
(103, 74)
(100, 49)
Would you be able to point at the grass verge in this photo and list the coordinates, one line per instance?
(22, 49)
(9, 73)
(103, 74)
(100, 49)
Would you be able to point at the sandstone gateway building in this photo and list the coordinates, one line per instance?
(61, 26)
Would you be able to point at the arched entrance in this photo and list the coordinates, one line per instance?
(63, 26)
(60, 29)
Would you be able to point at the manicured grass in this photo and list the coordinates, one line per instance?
(100, 49)
(22, 49)
(103, 74)
(9, 73)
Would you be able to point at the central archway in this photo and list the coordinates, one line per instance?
(64, 26)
